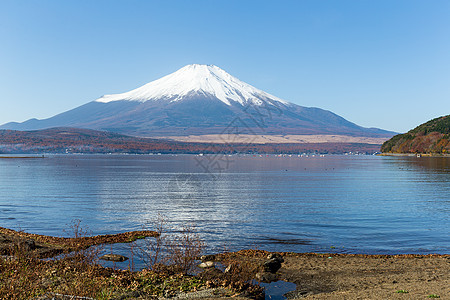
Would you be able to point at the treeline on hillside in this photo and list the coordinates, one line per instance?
(71, 140)
(431, 137)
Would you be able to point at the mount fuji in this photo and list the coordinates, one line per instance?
(200, 100)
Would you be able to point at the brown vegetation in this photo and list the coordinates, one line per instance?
(317, 276)
(72, 140)
(432, 137)
(24, 275)
(48, 246)
(76, 274)
(27, 277)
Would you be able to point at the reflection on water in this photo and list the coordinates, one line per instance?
(361, 204)
(277, 290)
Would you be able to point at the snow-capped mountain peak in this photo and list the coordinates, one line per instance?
(192, 79)
(199, 100)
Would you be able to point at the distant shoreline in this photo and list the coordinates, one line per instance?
(414, 154)
(12, 157)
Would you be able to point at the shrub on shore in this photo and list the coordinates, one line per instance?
(178, 252)
(25, 275)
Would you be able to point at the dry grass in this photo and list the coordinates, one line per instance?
(62, 244)
(24, 275)
(184, 249)
(277, 139)
(27, 278)
(177, 252)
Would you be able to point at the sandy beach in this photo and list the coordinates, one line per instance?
(347, 276)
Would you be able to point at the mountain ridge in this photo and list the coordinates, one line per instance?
(196, 100)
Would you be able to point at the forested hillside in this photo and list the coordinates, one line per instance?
(431, 137)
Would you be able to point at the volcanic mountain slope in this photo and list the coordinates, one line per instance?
(197, 100)
(431, 137)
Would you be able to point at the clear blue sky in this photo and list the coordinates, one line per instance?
(377, 63)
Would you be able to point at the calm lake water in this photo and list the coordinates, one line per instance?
(345, 204)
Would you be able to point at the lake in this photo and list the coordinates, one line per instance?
(343, 204)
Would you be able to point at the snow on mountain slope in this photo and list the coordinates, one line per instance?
(199, 100)
(192, 79)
